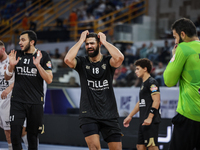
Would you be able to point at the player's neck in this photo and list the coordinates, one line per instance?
(97, 58)
(145, 77)
(31, 50)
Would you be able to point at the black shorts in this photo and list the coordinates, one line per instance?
(186, 134)
(109, 129)
(33, 113)
(148, 135)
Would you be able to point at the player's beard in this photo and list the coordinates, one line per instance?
(180, 39)
(27, 47)
(95, 53)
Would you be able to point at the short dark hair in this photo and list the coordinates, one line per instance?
(2, 44)
(92, 34)
(185, 25)
(31, 35)
(144, 62)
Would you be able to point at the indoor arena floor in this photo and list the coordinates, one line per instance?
(4, 146)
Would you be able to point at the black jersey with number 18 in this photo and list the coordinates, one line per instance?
(149, 87)
(28, 86)
(97, 95)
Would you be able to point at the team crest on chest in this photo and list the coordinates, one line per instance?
(104, 66)
(87, 67)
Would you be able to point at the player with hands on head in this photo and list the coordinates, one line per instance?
(98, 108)
(148, 106)
(31, 67)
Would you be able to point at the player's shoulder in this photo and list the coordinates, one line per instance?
(151, 80)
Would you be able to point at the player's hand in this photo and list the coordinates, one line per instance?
(174, 49)
(102, 37)
(83, 35)
(147, 121)
(12, 58)
(36, 61)
(4, 94)
(126, 122)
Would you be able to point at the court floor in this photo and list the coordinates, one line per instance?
(4, 146)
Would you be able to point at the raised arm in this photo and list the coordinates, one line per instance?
(45, 74)
(117, 56)
(12, 62)
(70, 56)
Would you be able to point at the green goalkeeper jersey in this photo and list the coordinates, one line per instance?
(185, 68)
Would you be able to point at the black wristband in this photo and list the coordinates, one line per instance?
(153, 110)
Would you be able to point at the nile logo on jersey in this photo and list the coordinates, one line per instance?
(26, 71)
(98, 85)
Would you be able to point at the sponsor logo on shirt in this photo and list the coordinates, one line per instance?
(26, 71)
(49, 64)
(98, 85)
(142, 103)
(153, 88)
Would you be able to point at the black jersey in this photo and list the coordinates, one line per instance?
(97, 95)
(149, 87)
(28, 86)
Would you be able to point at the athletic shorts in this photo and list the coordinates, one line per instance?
(31, 112)
(5, 113)
(186, 134)
(109, 129)
(148, 135)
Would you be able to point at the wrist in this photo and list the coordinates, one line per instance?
(153, 110)
(9, 73)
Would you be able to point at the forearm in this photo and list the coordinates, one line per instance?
(9, 72)
(9, 89)
(70, 56)
(117, 56)
(135, 110)
(46, 75)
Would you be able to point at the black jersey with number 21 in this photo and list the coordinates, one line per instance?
(28, 86)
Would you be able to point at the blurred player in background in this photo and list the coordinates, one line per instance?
(148, 106)
(185, 68)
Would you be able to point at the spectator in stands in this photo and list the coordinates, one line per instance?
(73, 18)
(159, 73)
(119, 76)
(152, 53)
(98, 12)
(10, 47)
(164, 55)
(197, 23)
(131, 76)
(130, 54)
(57, 54)
(25, 22)
(142, 51)
(33, 25)
(72, 82)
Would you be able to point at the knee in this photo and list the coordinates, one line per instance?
(16, 134)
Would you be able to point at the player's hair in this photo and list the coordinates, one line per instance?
(31, 35)
(144, 62)
(185, 25)
(92, 34)
(2, 44)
